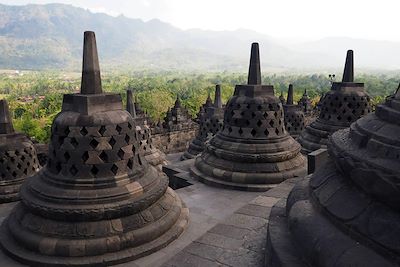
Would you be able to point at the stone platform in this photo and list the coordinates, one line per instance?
(226, 228)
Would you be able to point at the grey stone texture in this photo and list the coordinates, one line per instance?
(346, 213)
(238, 240)
(342, 105)
(153, 155)
(18, 158)
(210, 122)
(305, 104)
(294, 116)
(97, 202)
(253, 151)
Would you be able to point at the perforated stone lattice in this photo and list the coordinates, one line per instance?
(253, 120)
(17, 163)
(294, 122)
(210, 127)
(344, 108)
(144, 136)
(94, 151)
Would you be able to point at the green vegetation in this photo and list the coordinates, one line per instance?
(36, 97)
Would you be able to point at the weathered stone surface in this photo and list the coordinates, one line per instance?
(294, 116)
(305, 103)
(346, 213)
(253, 150)
(210, 122)
(153, 155)
(97, 202)
(18, 158)
(342, 105)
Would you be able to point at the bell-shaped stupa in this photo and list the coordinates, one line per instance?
(18, 158)
(342, 105)
(153, 155)
(253, 151)
(210, 123)
(294, 116)
(96, 202)
(305, 103)
(348, 212)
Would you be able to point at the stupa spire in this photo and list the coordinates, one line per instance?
(289, 100)
(348, 73)
(254, 68)
(130, 105)
(217, 97)
(6, 125)
(91, 80)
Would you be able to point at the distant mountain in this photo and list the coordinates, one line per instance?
(50, 36)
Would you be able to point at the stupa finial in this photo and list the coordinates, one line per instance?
(217, 97)
(130, 105)
(289, 100)
(91, 80)
(348, 74)
(254, 68)
(6, 126)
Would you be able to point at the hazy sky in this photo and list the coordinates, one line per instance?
(304, 19)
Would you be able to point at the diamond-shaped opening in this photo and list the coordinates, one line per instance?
(26, 171)
(61, 140)
(339, 118)
(272, 123)
(103, 156)
(94, 170)
(85, 156)
(259, 123)
(67, 131)
(58, 167)
(276, 131)
(253, 114)
(253, 132)
(8, 168)
(73, 170)
(129, 126)
(19, 166)
(140, 160)
(266, 132)
(240, 131)
(83, 131)
(67, 156)
(94, 143)
(130, 164)
(118, 128)
(114, 169)
(112, 141)
(14, 174)
(1, 160)
(349, 119)
(74, 142)
(121, 153)
(16, 152)
(102, 130)
(270, 107)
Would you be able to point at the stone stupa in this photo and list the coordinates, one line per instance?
(18, 158)
(282, 99)
(348, 212)
(253, 151)
(305, 103)
(294, 116)
(96, 202)
(210, 122)
(342, 105)
(153, 155)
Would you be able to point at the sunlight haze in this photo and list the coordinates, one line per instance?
(289, 19)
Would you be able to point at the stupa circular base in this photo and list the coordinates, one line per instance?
(237, 180)
(20, 253)
(301, 234)
(10, 193)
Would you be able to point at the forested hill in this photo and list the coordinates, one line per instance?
(50, 36)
